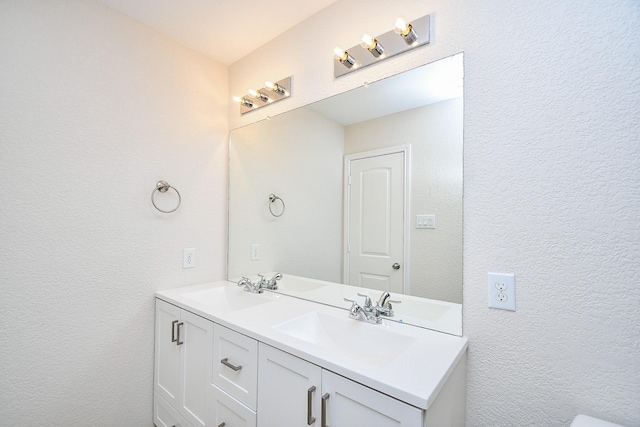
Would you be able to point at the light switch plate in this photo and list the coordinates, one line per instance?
(425, 221)
(502, 291)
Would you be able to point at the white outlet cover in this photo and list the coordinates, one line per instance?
(189, 258)
(502, 291)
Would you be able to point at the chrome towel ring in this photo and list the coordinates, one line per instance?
(163, 186)
(272, 199)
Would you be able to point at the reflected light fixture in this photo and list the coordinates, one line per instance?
(372, 45)
(406, 31)
(272, 92)
(344, 57)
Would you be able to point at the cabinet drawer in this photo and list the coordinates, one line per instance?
(235, 365)
(228, 412)
(165, 416)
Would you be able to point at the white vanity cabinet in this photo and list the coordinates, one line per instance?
(226, 358)
(293, 392)
(183, 351)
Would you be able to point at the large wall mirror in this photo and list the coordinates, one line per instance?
(366, 196)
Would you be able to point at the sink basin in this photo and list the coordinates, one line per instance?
(227, 298)
(372, 343)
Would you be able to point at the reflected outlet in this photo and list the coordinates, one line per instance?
(502, 291)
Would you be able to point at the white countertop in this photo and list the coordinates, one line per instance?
(414, 376)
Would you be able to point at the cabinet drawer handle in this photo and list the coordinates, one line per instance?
(323, 421)
(226, 363)
(173, 331)
(310, 419)
(178, 342)
(222, 424)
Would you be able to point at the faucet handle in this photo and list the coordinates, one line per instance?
(355, 308)
(367, 300)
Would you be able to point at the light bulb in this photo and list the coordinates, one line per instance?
(372, 45)
(259, 95)
(406, 31)
(243, 101)
(368, 42)
(401, 26)
(344, 57)
(276, 88)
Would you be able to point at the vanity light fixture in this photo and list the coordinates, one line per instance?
(344, 57)
(412, 35)
(372, 45)
(272, 92)
(406, 31)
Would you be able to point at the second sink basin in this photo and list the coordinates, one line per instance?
(372, 343)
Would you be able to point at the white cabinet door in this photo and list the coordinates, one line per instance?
(349, 404)
(196, 336)
(182, 373)
(167, 353)
(288, 390)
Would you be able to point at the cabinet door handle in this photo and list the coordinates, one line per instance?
(310, 418)
(222, 424)
(323, 420)
(226, 363)
(173, 331)
(178, 342)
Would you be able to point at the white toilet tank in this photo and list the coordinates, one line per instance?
(586, 421)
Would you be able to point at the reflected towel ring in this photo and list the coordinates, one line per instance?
(272, 199)
(163, 186)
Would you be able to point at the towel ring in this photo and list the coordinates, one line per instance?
(272, 199)
(163, 186)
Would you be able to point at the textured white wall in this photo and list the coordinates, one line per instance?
(551, 190)
(94, 109)
(298, 158)
(435, 135)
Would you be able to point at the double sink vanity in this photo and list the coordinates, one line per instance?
(301, 355)
(225, 357)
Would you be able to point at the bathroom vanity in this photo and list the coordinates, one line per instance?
(229, 358)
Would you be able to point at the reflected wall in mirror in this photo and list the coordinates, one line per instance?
(305, 157)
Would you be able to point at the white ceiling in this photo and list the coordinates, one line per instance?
(225, 30)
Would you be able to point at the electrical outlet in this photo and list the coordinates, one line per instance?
(502, 291)
(255, 252)
(189, 258)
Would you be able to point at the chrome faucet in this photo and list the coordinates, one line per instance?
(272, 283)
(249, 286)
(367, 311)
(384, 304)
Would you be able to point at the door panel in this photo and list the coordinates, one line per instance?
(167, 354)
(197, 336)
(376, 222)
(285, 384)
